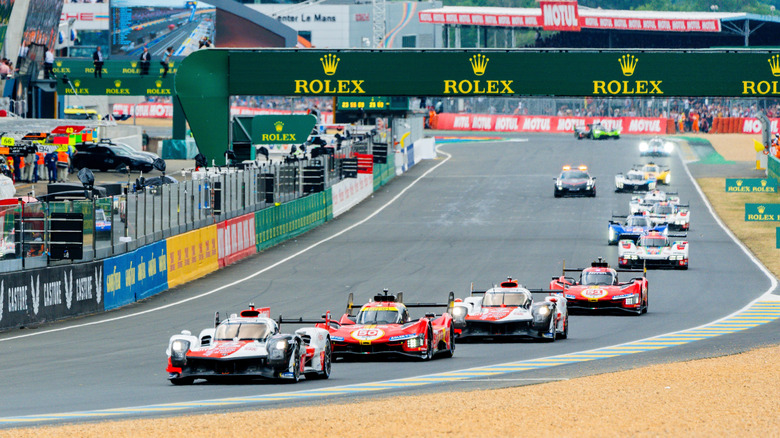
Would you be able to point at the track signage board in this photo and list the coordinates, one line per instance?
(282, 129)
(762, 212)
(751, 185)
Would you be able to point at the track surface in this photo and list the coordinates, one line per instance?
(485, 214)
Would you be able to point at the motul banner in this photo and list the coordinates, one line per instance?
(560, 15)
(753, 126)
(236, 239)
(653, 24)
(552, 124)
(165, 111)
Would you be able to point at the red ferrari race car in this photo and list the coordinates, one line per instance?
(509, 311)
(599, 289)
(383, 327)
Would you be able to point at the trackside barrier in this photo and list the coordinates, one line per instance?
(383, 173)
(350, 191)
(236, 239)
(135, 275)
(281, 222)
(192, 255)
(48, 294)
(772, 167)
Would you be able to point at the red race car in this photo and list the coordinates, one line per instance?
(599, 289)
(383, 327)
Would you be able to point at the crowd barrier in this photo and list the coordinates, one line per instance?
(32, 297)
(550, 124)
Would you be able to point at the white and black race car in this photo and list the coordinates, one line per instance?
(656, 147)
(249, 345)
(654, 249)
(644, 203)
(634, 180)
(509, 311)
(676, 216)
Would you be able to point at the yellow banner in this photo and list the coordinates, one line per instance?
(192, 255)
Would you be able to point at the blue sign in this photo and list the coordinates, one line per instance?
(136, 275)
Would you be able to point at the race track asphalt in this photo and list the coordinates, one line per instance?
(485, 214)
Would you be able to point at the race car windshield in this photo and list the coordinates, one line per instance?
(637, 221)
(242, 331)
(574, 174)
(597, 278)
(663, 209)
(653, 242)
(496, 299)
(653, 169)
(635, 177)
(379, 316)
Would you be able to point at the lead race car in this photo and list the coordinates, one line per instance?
(508, 311)
(655, 249)
(634, 181)
(598, 288)
(383, 326)
(656, 146)
(249, 345)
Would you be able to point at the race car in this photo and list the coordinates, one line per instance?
(676, 216)
(598, 288)
(659, 173)
(654, 249)
(634, 181)
(508, 311)
(634, 227)
(249, 345)
(574, 182)
(383, 327)
(641, 204)
(656, 146)
(595, 131)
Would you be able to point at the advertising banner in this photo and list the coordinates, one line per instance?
(753, 126)
(560, 15)
(350, 191)
(130, 86)
(136, 275)
(165, 111)
(192, 255)
(762, 212)
(49, 294)
(236, 239)
(276, 224)
(551, 124)
(281, 129)
(751, 185)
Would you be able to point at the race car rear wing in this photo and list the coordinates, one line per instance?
(324, 319)
(600, 263)
(399, 299)
(683, 234)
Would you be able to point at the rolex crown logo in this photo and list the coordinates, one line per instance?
(133, 64)
(774, 64)
(761, 209)
(628, 64)
(739, 183)
(330, 63)
(117, 83)
(77, 83)
(59, 63)
(479, 64)
(279, 126)
(158, 83)
(763, 183)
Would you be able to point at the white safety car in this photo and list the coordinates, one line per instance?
(249, 345)
(509, 311)
(654, 249)
(676, 216)
(643, 203)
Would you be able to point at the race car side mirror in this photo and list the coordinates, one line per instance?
(593, 177)
(430, 315)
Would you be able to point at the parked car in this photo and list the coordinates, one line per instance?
(106, 157)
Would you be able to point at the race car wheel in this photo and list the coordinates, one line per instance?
(593, 193)
(552, 331)
(557, 194)
(565, 333)
(325, 373)
(183, 381)
(296, 371)
(429, 345)
(450, 351)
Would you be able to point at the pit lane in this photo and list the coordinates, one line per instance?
(486, 213)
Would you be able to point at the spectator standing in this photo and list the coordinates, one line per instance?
(166, 60)
(29, 160)
(146, 60)
(39, 173)
(145, 140)
(5, 69)
(48, 64)
(50, 160)
(62, 166)
(97, 61)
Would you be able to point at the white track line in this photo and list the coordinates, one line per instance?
(249, 277)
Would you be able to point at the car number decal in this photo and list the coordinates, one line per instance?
(594, 294)
(365, 334)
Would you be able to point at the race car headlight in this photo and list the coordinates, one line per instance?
(559, 184)
(277, 348)
(634, 299)
(643, 146)
(281, 344)
(179, 347)
(544, 311)
(459, 312)
(415, 342)
(668, 146)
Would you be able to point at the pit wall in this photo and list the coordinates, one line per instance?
(32, 297)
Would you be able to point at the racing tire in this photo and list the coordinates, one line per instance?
(180, 381)
(429, 343)
(557, 194)
(552, 330)
(325, 373)
(593, 193)
(450, 351)
(565, 333)
(296, 365)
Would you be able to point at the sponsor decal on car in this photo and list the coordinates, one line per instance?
(337, 338)
(594, 294)
(367, 334)
(402, 337)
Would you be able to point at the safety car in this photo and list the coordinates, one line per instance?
(654, 249)
(384, 326)
(599, 288)
(643, 203)
(654, 171)
(509, 311)
(676, 216)
(632, 228)
(656, 146)
(574, 182)
(634, 181)
(250, 345)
